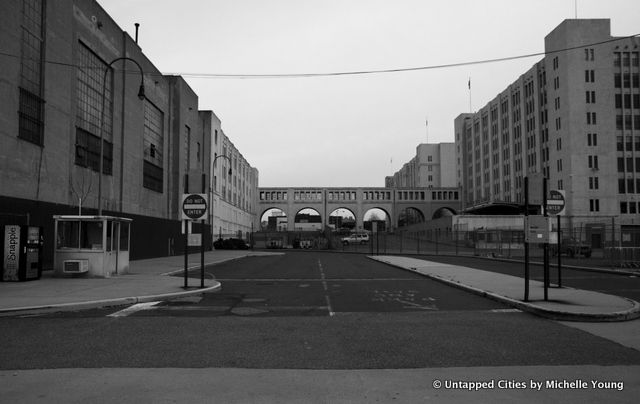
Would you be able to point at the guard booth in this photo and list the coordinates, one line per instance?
(95, 246)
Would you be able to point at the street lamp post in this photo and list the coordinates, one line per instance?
(104, 85)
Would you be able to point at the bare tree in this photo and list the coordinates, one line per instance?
(81, 188)
(374, 217)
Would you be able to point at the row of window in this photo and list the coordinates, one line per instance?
(31, 106)
(629, 207)
(628, 122)
(625, 59)
(627, 145)
(93, 120)
(444, 195)
(626, 164)
(626, 80)
(351, 195)
(375, 195)
(628, 185)
(411, 195)
(625, 101)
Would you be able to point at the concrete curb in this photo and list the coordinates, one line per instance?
(95, 304)
(611, 271)
(626, 315)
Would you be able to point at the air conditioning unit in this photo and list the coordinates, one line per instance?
(75, 266)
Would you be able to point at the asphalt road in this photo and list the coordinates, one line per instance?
(306, 311)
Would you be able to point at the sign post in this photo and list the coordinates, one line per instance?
(555, 206)
(546, 243)
(526, 242)
(194, 207)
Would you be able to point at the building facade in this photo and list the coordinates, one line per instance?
(71, 84)
(573, 118)
(433, 166)
(234, 186)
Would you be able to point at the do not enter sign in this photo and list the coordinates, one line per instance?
(555, 202)
(194, 206)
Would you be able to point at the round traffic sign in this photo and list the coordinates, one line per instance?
(194, 206)
(555, 202)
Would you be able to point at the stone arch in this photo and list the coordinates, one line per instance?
(410, 216)
(367, 222)
(345, 221)
(307, 220)
(443, 212)
(274, 224)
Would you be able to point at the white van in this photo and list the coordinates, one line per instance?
(358, 238)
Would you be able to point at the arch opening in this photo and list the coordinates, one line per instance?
(443, 212)
(307, 219)
(376, 218)
(274, 219)
(342, 220)
(410, 216)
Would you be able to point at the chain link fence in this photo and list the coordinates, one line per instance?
(600, 242)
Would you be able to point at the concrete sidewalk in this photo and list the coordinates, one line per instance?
(563, 303)
(147, 280)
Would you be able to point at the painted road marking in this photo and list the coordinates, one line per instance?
(132, 309)
(326, 289)
(406, 297)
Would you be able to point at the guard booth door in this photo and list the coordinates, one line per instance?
(112, 246)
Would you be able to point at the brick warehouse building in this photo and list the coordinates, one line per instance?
(574, 117)
(53, 57)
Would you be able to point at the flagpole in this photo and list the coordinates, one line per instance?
(470, 108)
(426, 124)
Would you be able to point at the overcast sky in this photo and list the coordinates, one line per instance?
(347, 130)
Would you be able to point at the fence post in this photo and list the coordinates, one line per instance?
(457, 239)
(613, 239)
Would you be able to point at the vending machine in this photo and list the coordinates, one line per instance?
(22, 259)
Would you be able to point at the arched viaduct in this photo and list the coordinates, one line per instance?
(393, 201)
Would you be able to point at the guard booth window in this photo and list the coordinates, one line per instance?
(68, 235)
(74, 234)
(91, 235)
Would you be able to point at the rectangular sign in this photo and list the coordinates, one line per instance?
(536, 185)
(11, 261)
(194, 240)
(536, 229)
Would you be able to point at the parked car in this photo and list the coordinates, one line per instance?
(357, 238)
(230, 244)
(572, 247)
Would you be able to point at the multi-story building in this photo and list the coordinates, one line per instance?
(433, 166)
(234, 185)
(573, 118)
(69, 77)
